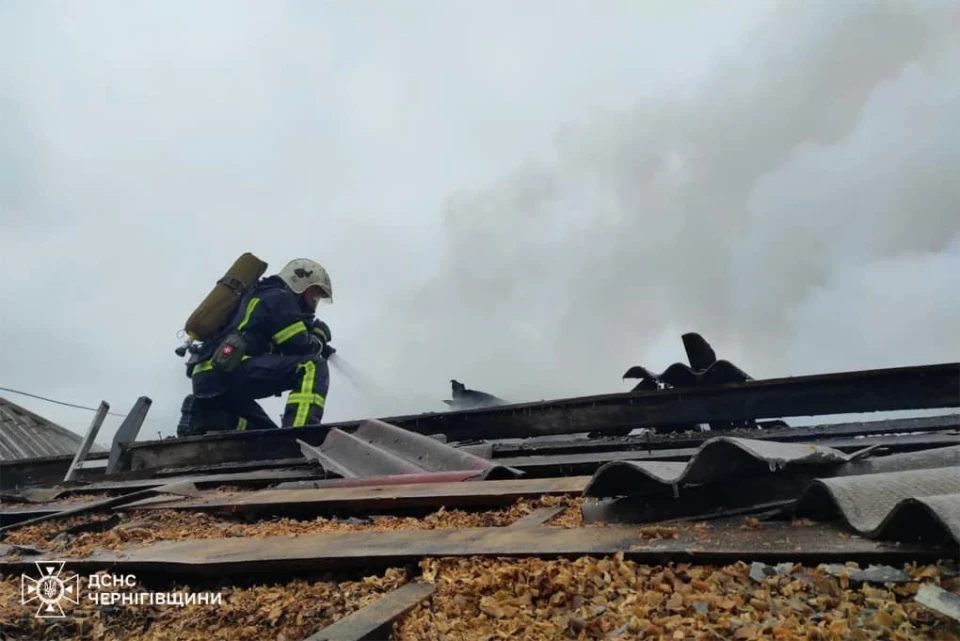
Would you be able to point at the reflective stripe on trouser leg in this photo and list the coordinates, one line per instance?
(305, 398)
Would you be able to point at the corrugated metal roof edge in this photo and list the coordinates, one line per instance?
(95, 448)
(44, 421)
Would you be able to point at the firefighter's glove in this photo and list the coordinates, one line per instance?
(320, 348)
(322, 331)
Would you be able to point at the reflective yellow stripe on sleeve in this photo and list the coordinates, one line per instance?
(252, 305)
(289, 332)
(242, 424)
(206, 366)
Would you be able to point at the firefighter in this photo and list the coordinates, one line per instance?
(272, 344)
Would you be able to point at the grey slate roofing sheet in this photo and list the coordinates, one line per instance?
(911, 497)
(911, 505)
(716, 460)
(921, 460)
(25, 435)
(377, 448)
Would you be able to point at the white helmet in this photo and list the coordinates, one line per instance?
(301, 273)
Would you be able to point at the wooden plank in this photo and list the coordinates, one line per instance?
(21, 473)
(247, 556)
(354, 499)
(374, 618)
(653, 442)
(589, 462)
(939, 600)
(538, 517)
(240, 479)
(421, 495)
(10, 517)
(894, 389)
(88, 441)
(183, 488)
(127, 432)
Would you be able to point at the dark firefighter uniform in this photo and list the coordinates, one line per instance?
(272, 344)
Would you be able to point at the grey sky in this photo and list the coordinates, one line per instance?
(528, 200)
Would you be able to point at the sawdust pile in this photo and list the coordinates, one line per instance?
(288, 612)
(149, 526)
(476, 598)
(590, 598)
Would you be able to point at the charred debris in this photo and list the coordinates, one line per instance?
(701, 471)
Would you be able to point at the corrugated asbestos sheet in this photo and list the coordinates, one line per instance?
(717, 460)
(913, 505)
(377, 449)
(912, 497)
(922, 460)
(24, 435)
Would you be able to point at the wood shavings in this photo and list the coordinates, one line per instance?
(611, 598)
(658, 532)
(229, 489)
(149, 526)
(291, 611)
(570, 517)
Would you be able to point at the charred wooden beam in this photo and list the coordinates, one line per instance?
(538, 466)
(12, 517)
(537, 517)
(373, 621)
(904, 388)
(392, 497)
(249, 480)
(650, 442)
(128, 431)
(334, 496)
(182, 488)
(21, 473)
(221, 447)
(376, 549)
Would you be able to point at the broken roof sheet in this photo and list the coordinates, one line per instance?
(25, 435)
(716, 460)
(380, 449)
(921, 460)
(282, 531)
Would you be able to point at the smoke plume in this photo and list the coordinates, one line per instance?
(799, 210)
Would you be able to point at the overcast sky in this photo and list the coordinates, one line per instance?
(529, 197)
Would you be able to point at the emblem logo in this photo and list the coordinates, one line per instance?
(50, 590)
